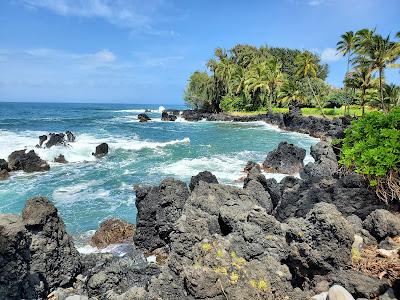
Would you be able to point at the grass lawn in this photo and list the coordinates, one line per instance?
(329, 112)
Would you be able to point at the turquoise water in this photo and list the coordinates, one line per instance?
(87, 190)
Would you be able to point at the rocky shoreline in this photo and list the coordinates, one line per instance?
(296, 239)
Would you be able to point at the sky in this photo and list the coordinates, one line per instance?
(135, 51)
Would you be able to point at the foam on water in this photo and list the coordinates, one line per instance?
(134, 144)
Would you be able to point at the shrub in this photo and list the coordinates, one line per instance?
(371, 147)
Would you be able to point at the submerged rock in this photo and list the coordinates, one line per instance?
(167, 117)
(4, 165)
(60, 159)
(28, 162)
(112, 231)
(287, 159)
(4, 174)
(101, 150)
(143, 118)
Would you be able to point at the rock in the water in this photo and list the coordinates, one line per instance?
(205, 176)
(70, 136)
(143, 118)
(28, 162)
(56, 139)
(287, 159)
(338, 292)
(382, 223)
(54, 261)
(4, 165)
(42, 139)
(112, 231)
(167, 117)
(60, 159)
(101, 150)
(250, 165)
(4, 174)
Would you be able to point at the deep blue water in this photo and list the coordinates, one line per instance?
(87, 190)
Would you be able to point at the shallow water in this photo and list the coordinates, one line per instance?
(87, 190)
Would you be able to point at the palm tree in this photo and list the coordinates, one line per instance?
(392, 95)
(307, 67)
(275, 80)
(363, 80)
(236, 82)
(257, 82)
(291, 92)
(346, 46)
(378, 53)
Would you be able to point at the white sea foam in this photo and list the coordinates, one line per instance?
(116, 249)
(79, 151)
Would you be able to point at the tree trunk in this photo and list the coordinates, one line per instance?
(363, 102)
(381, 89)
(318, 102)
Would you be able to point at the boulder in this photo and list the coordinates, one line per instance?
(4, 165)
(60, 159)
(338, 292)
(54, 261)
(56, 139)
(101, 150)
(4, 174)
(205, 176)
(112, 231)
(70, 136)
(143, 118)
(28, 162)
(287, 159)
(167, 117)
(14, 257)
(42, 139)
(325, 165)
(157, 210)
(319, 244)
(250, 165)
(382, 223)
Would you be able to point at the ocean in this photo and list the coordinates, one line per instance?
(87, 190)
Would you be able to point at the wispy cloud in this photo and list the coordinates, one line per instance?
(330, 55)
(138, 16)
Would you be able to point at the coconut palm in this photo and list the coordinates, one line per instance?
(307, 67)
(392, 95)
(377, 54)
(256, 84)
(291, 92)
(346, 46)
(362, 79)
(275, 80)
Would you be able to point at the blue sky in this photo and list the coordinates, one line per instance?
(144, 51)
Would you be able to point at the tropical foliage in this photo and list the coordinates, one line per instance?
(247, 78)
(371, 147)
(369, 54)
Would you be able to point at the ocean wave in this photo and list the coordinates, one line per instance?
(79, 151)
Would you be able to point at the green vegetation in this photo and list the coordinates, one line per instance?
(247, 79)
(371, 147)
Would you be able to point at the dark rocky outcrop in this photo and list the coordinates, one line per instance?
(382, 223)
(325, 165)
(292, 121)
(56, 139)
(28, 162)
(60, 159)
(4, 174)
(101, 150)
(4, 165)
(287, 159)
(250, 165)
(143, 118)
(158, 208)
(205, 176)
(112, 231)
(167, 117)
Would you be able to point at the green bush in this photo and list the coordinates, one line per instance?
(371, 147)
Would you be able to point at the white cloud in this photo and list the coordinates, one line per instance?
(133, 14)
(105, 56)
(330, 55)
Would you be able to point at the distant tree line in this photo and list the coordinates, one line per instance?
(247, 78)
